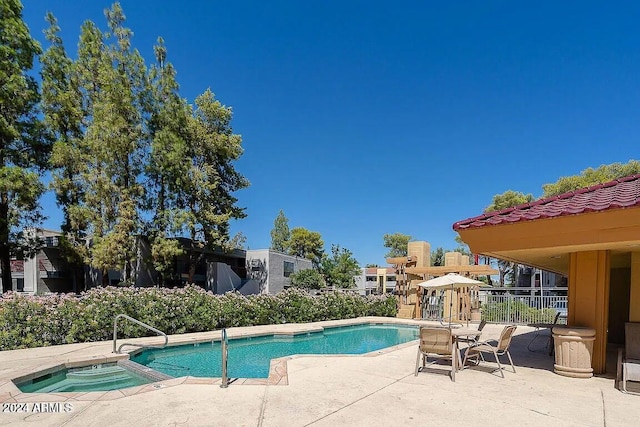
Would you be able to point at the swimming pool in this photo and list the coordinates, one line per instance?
(250, 357)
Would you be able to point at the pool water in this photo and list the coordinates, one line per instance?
(250, 357)
(102, 377)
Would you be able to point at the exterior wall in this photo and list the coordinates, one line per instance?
(422, 251)
(361, 284)
(250, 287)
(17, 275)
(634, 296)
(31, 275)
(266, 267)
(47, 271)
(221, 279)
(589, 299)
(145, 273)
(452, 258)
(381, 279)
(367, 282)
(539, 281)
(257, 262)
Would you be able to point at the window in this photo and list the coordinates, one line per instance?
(288, 268)
(255, 265)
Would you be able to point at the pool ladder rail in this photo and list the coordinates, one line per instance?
(136, 321)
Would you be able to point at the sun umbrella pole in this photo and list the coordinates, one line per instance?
(451, 306)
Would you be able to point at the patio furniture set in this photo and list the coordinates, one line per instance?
(443, 343)
(439, 342)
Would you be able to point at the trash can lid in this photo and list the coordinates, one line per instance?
(574, 331)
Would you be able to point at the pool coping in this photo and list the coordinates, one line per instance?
(278, 371)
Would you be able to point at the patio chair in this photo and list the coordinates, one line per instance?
(438, 344)
(499, 349)
(474, 339)
(539, 328)
(629, 357)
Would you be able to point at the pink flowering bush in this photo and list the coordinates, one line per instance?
(33, 321)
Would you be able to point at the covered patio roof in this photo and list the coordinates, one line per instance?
(543, 233)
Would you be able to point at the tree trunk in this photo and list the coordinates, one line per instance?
(192, 272)
(5, 264)
(5, 252)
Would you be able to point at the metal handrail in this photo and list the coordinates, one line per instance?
(224, 346)
(151, 328)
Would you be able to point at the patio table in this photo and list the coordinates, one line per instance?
(459, 333)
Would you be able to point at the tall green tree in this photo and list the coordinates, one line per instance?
(508, 199)
(238, 241)
(463, 248)
(307, 279)
(591, 176)
(206, 199)
(397, 244)
(306, 244)
(168, 163)
(340, 268)
(71, 89)
(97, 172)
(62, 108)
(437, 257)
(280, 234)
(142, 159)
(24, 149)
(507, 269)
(505, 200)
(118, 142)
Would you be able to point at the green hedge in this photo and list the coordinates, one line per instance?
(33, 321)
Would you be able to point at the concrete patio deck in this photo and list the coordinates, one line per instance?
(374, 390)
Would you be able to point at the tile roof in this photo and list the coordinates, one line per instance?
(616, 194)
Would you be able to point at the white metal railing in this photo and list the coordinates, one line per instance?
(136, 321)
(506, 308)
(523, 309)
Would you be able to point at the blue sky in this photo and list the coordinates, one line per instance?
(361, 118)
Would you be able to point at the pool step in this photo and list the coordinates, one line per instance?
(104, 378)
(144, 371)
(112, 383)
(95, 373)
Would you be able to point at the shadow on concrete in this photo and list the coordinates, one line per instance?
(531, 350)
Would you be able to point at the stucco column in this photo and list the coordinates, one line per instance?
(589, 299)
(381, 273)
(634, 295)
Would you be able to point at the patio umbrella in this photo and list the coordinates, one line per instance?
(450, 281)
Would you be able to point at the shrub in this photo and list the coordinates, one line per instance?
(33, 321)
(307, 279)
